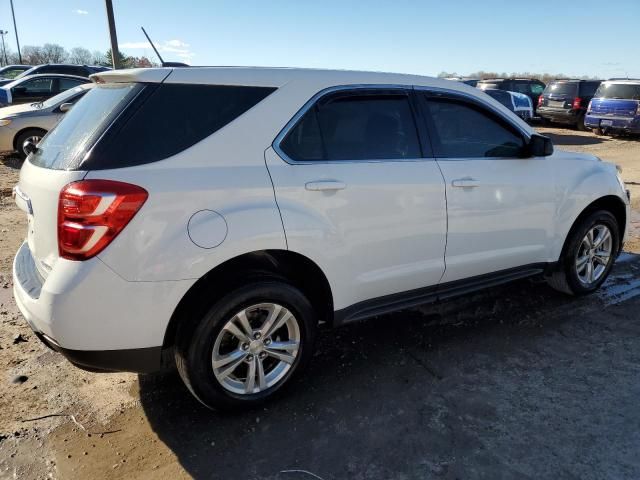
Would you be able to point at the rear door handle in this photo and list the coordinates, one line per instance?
(465, 183)
(325, 186)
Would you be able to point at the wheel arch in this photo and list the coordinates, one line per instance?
(289, 266)
(610, 203)
(26, 129)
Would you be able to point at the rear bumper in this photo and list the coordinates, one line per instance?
(629, 125)
(92, 316)
(560, 115)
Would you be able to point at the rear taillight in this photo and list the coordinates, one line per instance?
(540, 100)
(577, 103)
(91, 213)
(638, 109)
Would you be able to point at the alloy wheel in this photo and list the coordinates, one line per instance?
(594, 254)
(256, 348)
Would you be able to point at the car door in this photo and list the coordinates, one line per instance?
(500, 205)
(360, 194)
(34, 90)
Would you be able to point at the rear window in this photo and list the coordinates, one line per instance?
(153, 122)
(65, 146)
(629, 91)
(502, 96)
(562, 88)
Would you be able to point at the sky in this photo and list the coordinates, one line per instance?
(573, 37)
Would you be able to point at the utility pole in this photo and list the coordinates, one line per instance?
(15, 29)
(4, 52)
(115, 53)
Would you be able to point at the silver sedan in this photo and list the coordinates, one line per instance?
(28, 123)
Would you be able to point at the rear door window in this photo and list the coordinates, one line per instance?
(356, 126)
(464, 130)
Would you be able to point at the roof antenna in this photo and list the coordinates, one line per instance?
(153, 46)
(162, 62)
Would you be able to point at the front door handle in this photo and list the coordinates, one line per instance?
(325, 186)
(465, 183)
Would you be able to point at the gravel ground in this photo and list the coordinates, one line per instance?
(517, 382)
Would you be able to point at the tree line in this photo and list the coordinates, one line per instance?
(544, 77)
(54, 53)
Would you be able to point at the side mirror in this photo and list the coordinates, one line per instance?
(65, 107)
(539, 146)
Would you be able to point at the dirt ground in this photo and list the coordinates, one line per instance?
(516, 382)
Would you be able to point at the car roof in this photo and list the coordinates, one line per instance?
(628, 81)
(61, 75)
(270, 76)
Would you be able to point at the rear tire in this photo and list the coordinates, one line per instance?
(221, 340)
(580, 124)
(33, 134)
(585, 264)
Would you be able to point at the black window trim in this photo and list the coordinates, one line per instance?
(457, 96)
(358, 89)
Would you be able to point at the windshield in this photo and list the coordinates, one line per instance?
(63, 97)
(31, 71)
(629, 91)
(66, 145)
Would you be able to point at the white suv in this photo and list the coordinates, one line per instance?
(218, 215)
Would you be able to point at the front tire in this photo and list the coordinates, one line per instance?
(250, 345)
(588, 256)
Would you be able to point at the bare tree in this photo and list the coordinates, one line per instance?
(97, 58)
(32, 55)
(80, 56)
(54, 53)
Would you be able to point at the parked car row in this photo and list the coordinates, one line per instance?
(35, 98)
(610, 106)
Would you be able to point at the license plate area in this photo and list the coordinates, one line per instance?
(606, 123)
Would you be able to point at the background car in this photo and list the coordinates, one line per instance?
(36, 88)
(615, 107)
(63, 69)
(21, 124)
(518, 103)
(531, 87)
(12, 71)
(565, 101)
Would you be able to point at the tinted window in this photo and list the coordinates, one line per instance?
(562, 88)
(535, 88)
(304, 142)
(356, 127)
(67, 83)
(619, 90)
(587, 89)
(463, 130)
(502, 96)
(64, 147)
(37, 85)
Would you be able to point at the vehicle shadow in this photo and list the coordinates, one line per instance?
(468, 389)
(573, 139)
(11, 160)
